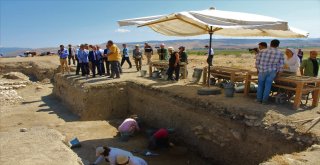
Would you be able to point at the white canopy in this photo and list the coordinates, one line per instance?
(225, 23)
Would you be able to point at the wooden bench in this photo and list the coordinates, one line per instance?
(300, 85)
(227, 73)
(163, 64)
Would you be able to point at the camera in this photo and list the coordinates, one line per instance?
(254, 50)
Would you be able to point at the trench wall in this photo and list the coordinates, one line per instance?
(92, 103)
(216, 137)
(207, 129)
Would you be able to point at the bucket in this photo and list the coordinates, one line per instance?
(164, 75)
(229, 91)
(197, 73)
(155, 74)
(212, 81)
(143, 73)
(74, 143)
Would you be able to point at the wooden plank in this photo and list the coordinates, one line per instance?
(204, 75)
(297, 98)
(247, 85)
(150, 70)
(284, 87)
(315, 95)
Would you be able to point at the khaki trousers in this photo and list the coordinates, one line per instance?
(148, 55)
(64, 65)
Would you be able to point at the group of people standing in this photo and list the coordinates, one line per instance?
(271, 62)
(90, 58)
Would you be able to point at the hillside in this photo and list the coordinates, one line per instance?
(194, 44)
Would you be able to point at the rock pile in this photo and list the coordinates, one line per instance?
(9, 83)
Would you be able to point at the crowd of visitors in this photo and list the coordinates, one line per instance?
(91, 60)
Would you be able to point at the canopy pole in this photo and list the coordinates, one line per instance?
(210, 56)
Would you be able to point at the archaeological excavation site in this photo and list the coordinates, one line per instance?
(42, 110)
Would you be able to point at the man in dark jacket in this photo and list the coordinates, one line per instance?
(95, 58)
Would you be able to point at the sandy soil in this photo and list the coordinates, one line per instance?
(40, 108)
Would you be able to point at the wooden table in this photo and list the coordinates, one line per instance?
(228, 73)
(303, 84)
(163, 64)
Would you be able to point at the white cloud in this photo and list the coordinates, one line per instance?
(122, 30)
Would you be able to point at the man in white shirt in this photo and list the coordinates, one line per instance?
(210, 55)
(109, 154)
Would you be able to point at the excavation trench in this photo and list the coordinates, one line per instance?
(218, 133)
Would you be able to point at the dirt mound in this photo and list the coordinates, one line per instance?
(15, 76)
(35, 147)
(310, 156)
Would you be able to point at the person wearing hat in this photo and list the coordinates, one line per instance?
(163, 52)
(291, 62)
(148, 51)
(137, 56)
(210, 55)
(173, 64)
(130, 160)
(109, 154)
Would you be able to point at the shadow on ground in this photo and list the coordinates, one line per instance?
(52, 105)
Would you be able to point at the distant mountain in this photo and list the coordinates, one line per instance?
(191, 44)
(233, 43)
(7, 51)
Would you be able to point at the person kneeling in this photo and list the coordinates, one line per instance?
(109, 154)
(127, 128)
(160, 139)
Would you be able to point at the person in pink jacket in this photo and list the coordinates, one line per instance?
(128, 127)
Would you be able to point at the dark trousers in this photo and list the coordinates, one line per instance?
(107, 67)
(84, 68)
(73, 60)
(78, 67)
(126, 59)
(209, 60)
(115, 69)
(173, 69)
(96, 65)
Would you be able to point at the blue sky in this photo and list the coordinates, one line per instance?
(48, 23)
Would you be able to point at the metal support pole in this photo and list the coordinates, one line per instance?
(210, 56)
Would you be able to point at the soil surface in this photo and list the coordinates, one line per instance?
(34, 106)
